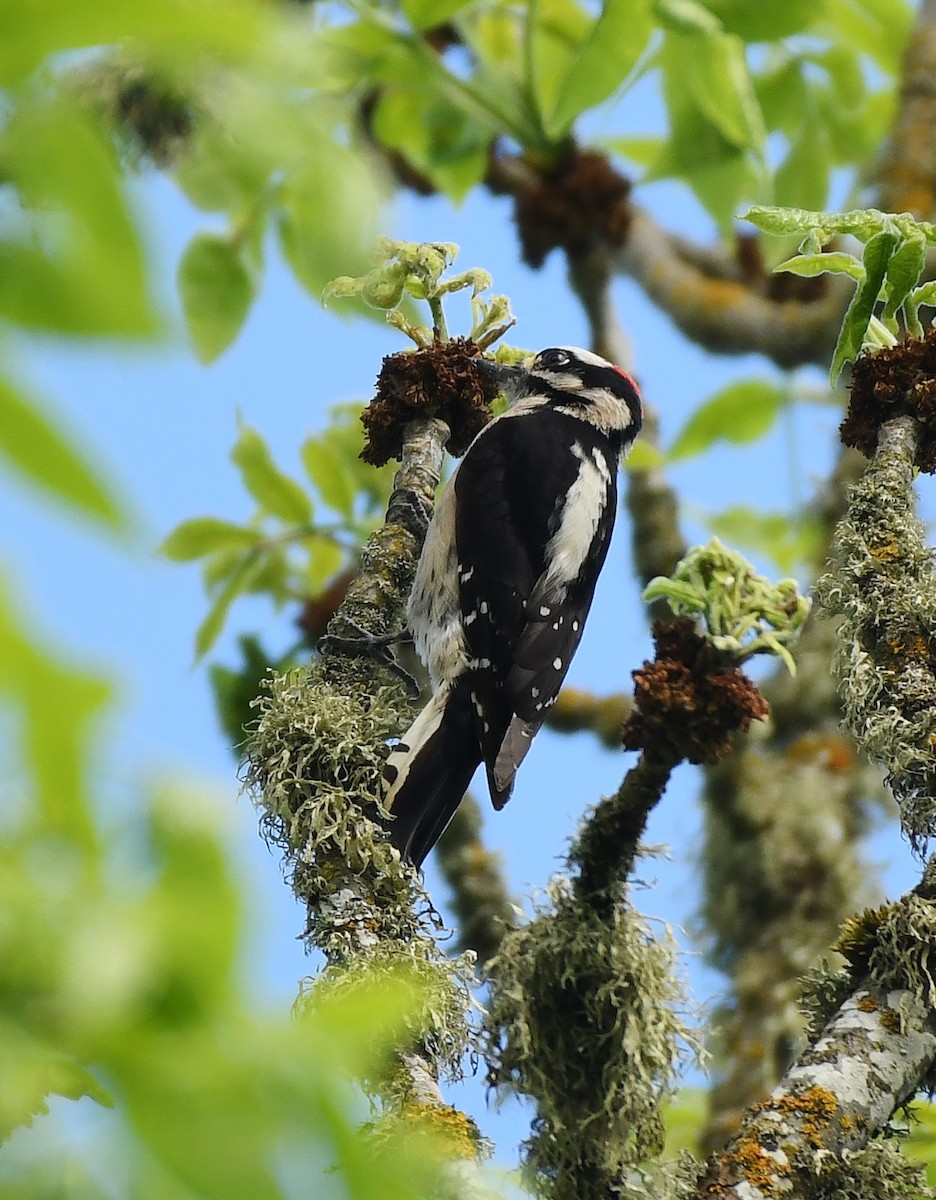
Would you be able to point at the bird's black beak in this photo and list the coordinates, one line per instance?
(508, 379)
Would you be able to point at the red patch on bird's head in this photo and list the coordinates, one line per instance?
(631, 381)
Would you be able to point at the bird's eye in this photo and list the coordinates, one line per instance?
(554, 360)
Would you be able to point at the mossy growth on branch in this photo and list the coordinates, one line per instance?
(314, 759)
(314, 764)
(883, 585)
(879, 1171)
(584, 1019)
(434, 1022)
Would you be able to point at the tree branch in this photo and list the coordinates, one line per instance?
(871, 1057)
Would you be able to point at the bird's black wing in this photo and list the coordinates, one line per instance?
(521, 628)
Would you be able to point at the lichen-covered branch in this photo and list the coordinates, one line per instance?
(315, 761)
(811, 1136)
(907, 172)
(883, 585)
(583, 1007)
(724, 314)
(482, 906)
(608, 842)
(783, 821)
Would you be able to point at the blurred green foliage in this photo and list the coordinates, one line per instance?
(122, 980)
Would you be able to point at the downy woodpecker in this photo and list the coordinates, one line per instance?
(505, 582)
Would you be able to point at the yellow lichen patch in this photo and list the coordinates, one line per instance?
(828, 751)
(890, 1019)
(758, 1168)
(815, 1108)
(867, 1004)
(885, 551)
(453, 1132)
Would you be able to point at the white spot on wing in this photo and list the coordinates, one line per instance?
(557, 663)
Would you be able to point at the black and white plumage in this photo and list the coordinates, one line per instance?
(505, 582)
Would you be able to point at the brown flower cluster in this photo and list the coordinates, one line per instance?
(438, 381)
(688, 705)
(897, 381)
(574, 204)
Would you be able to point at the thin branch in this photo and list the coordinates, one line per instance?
(723, 314)
(906, 177)
(656, 541)
(480, 900)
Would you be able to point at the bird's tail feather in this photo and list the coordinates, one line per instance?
(429, 771)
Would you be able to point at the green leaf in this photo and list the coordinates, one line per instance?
(32, 1072)
(904, 270)
(845, 70)
(861, 223)
(868, 27)
(326, 559)
(175, 29)
(237, 584)
(203, 535)
(877, 255)
(425, 14)
(55, 753)
(686, 16)
(434, 136)
(783, 95)
(325, 215)
(79, 266)
(640, 150)
(717, 76)
(33, 445)
(219, 173)
(275, 492)
(330, 474)
(616, 42)
(766, 20)
(789, 540)
(217, 291)
(555, 30)
(720, 173)
(742, 412)
(833, 263)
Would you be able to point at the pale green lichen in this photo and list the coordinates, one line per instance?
(878, 1172)
(315, 759)
(883, 585)
(902, 957)
(583, 1019)
(435, 1019)
(824, 989)
(314, 762)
